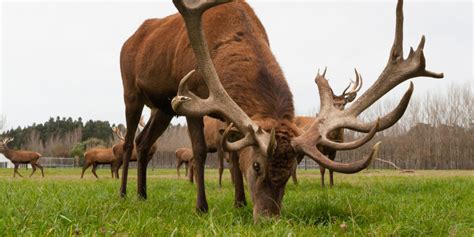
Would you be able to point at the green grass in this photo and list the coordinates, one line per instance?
(375, 203)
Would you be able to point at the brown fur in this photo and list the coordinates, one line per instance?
(184, 156)
(158, 55)
(100, 156)
(213, 136)
(18, 157)
(213, 129)
(304, 122)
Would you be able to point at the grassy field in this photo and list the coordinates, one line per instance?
(375, 203)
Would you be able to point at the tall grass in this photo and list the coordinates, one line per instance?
(430, 203)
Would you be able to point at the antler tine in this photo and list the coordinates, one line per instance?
(325, 94)
(351, 90)
(218, 102)
(359, 80)
(350, 145)
(397, 69)
(118, 133)
(307, 144)
(6, 140)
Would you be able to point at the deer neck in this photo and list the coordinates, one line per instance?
(7, 153)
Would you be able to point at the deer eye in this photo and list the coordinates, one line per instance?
(256, 167)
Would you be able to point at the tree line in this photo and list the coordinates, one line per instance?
(436, 132)
(58, 136)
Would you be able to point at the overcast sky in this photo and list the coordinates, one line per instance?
(62, 58)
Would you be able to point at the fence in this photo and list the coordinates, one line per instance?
(57, 162)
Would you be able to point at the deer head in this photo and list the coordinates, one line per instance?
(4, 142)
(267, 155)
(349, 94)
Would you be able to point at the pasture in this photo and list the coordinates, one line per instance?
(372, 202)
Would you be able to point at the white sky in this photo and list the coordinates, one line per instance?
(61, 58)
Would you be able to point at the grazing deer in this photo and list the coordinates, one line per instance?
(184, 156)
(339, 102)
(20, 157)
(240, 82)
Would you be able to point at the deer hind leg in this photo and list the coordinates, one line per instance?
(178, 166)
(94, 168)
(116, 171)
(186, 166)
(220, 157)
(293, 176)
(155, 126)
(196, 133)
(332, 156)
(41, 168)
(133, 111)
(322, 170)
(190, 165)
(239, 181)
(33, 166)
(86, 166)
(231, 170)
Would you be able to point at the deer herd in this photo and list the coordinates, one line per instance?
(212, 63)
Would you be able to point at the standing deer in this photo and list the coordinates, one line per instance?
(20, 157)
(100, 156)
(240, 82)
(303, 122)
(118, 149)
(184, 156)
(213, 136)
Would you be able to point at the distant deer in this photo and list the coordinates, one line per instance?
(118, 150)
(212, 134)
(20, 157)
(100, 156)
(184, 156)
(339, 102)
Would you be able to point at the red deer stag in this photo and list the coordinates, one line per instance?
(118, 150)
(184, 156)
(20, 157)
(254, 97)
(303, 122)
(98, 156)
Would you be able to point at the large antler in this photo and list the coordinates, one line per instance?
(119, 134)
(218, 102)
(6, 140)
(350, 93)
(396, 71)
